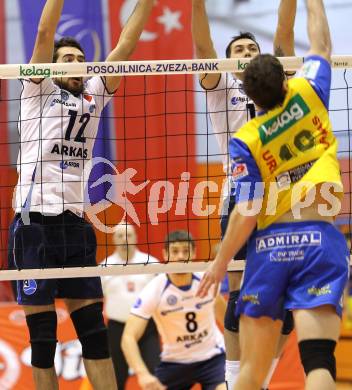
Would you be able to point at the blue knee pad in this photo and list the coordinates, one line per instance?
(232, 322)
(42, 330)
(91, 331)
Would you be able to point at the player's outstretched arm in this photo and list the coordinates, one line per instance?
(239, 226)
(318, 29)
(284, 39)
(129, 38)
(133, 331)
(202, 40)
(44, 43)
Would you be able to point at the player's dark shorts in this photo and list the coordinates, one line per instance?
(228, 206)
(65, 240)
(299, 265)
(182, 376)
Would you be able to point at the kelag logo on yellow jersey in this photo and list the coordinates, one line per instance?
(295, 110)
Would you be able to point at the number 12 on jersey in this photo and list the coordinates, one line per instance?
(84, 119)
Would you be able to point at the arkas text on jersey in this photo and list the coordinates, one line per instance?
(70, 151)
(194, 338)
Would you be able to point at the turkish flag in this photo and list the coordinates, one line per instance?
(7, 173)
(154, 118)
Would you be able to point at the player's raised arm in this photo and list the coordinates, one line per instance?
(284, 34)
(318, 29)
(202, 40)
(44, 43)
(129, 38)
(133, 331)
(241, 227)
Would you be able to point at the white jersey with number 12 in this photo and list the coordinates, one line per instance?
(57, 134)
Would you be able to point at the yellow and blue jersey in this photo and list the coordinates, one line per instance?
(290, 144)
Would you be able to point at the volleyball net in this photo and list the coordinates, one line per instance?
(156, 164)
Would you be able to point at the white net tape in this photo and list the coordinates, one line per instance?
(116, 269)
(134, 68)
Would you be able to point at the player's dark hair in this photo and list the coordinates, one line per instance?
(263, 81)
(65, 42)
(241, 35)
(179, 236)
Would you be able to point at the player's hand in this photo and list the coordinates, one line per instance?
(148, 381)
(212, 277)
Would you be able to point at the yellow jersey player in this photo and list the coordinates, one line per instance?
(287, 182)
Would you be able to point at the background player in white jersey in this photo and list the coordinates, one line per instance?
(58, 124)
(229, 109)
(192, 344)
(125, 289)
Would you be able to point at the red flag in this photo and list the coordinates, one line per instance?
(155, 121)
(7, 174)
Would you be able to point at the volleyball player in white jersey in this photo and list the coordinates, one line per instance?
(229, 109)
(58, 124)
(192, 344)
